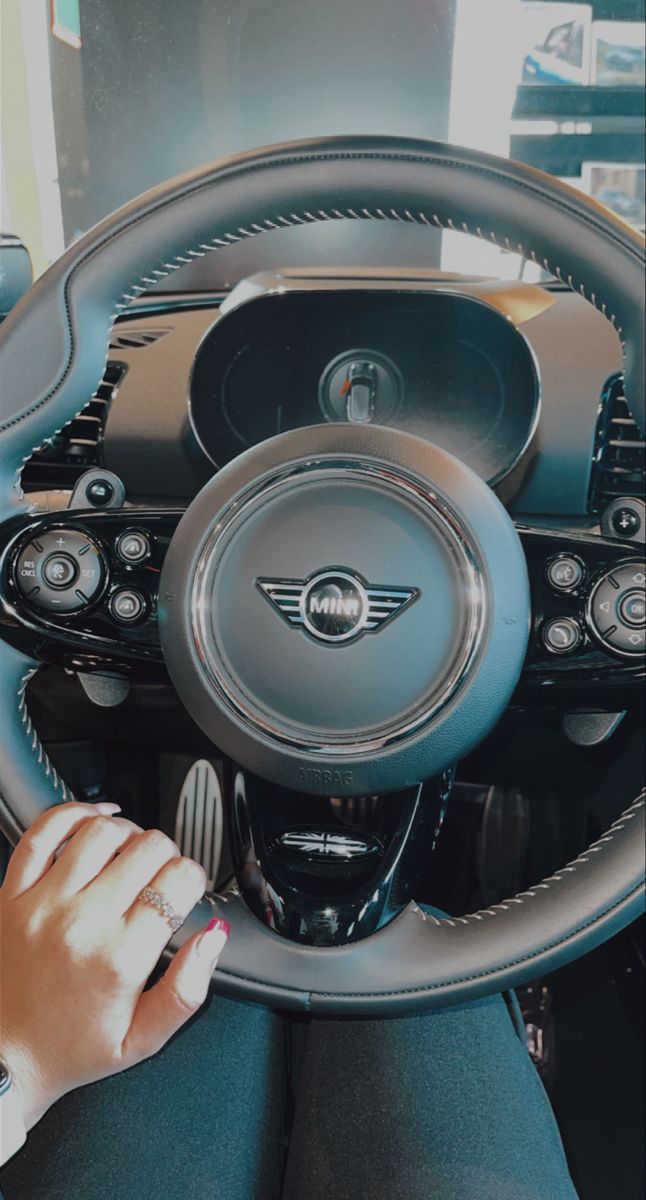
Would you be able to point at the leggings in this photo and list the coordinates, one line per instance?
(245, 1104)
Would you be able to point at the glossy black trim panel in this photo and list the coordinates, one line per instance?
(321, 877)
(91, 639)
(589, 670)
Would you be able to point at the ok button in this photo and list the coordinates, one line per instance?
(60, 570)
(632, 609)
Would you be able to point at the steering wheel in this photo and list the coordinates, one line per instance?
(343, 610)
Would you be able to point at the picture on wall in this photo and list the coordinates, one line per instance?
(619, 53)
(557, 40)
(620, 186)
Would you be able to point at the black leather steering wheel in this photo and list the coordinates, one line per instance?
(52, 354)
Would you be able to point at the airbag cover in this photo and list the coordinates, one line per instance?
(345, 610)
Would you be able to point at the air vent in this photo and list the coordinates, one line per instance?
(135, 339)
(619, 464)
(78, 446)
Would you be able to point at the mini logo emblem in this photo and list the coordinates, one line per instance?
(336, 605)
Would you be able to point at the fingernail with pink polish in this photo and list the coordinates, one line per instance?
(107, 809)
(213, 938)
(219, 923)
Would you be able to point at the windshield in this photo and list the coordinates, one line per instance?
(102, 99)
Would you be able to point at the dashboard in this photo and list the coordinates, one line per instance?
(506, 376)
(510, 377)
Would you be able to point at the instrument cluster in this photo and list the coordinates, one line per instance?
(443, 366)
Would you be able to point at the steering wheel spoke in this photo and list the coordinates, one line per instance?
(588, 634)
(81, 589)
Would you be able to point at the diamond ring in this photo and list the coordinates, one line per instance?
(157, 900)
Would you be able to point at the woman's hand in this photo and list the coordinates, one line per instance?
(77, 946)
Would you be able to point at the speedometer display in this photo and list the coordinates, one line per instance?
(439, 365)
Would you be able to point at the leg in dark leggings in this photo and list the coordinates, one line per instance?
(444, 1106)
(200, 1121)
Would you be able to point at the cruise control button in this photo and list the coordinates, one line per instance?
(127, 606)
(565, 573)
(133, 547)
(632, 609)
(562, 635)
(60, 570)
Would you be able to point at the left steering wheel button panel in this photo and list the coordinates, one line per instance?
(60, 570)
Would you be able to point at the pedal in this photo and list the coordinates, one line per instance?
(503, 844)
(200, 817)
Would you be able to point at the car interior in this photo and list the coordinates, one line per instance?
(322, 497)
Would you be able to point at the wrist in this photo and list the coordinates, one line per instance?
(13, 1131)
(28, 1094)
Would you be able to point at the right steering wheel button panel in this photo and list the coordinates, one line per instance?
(617, 609)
